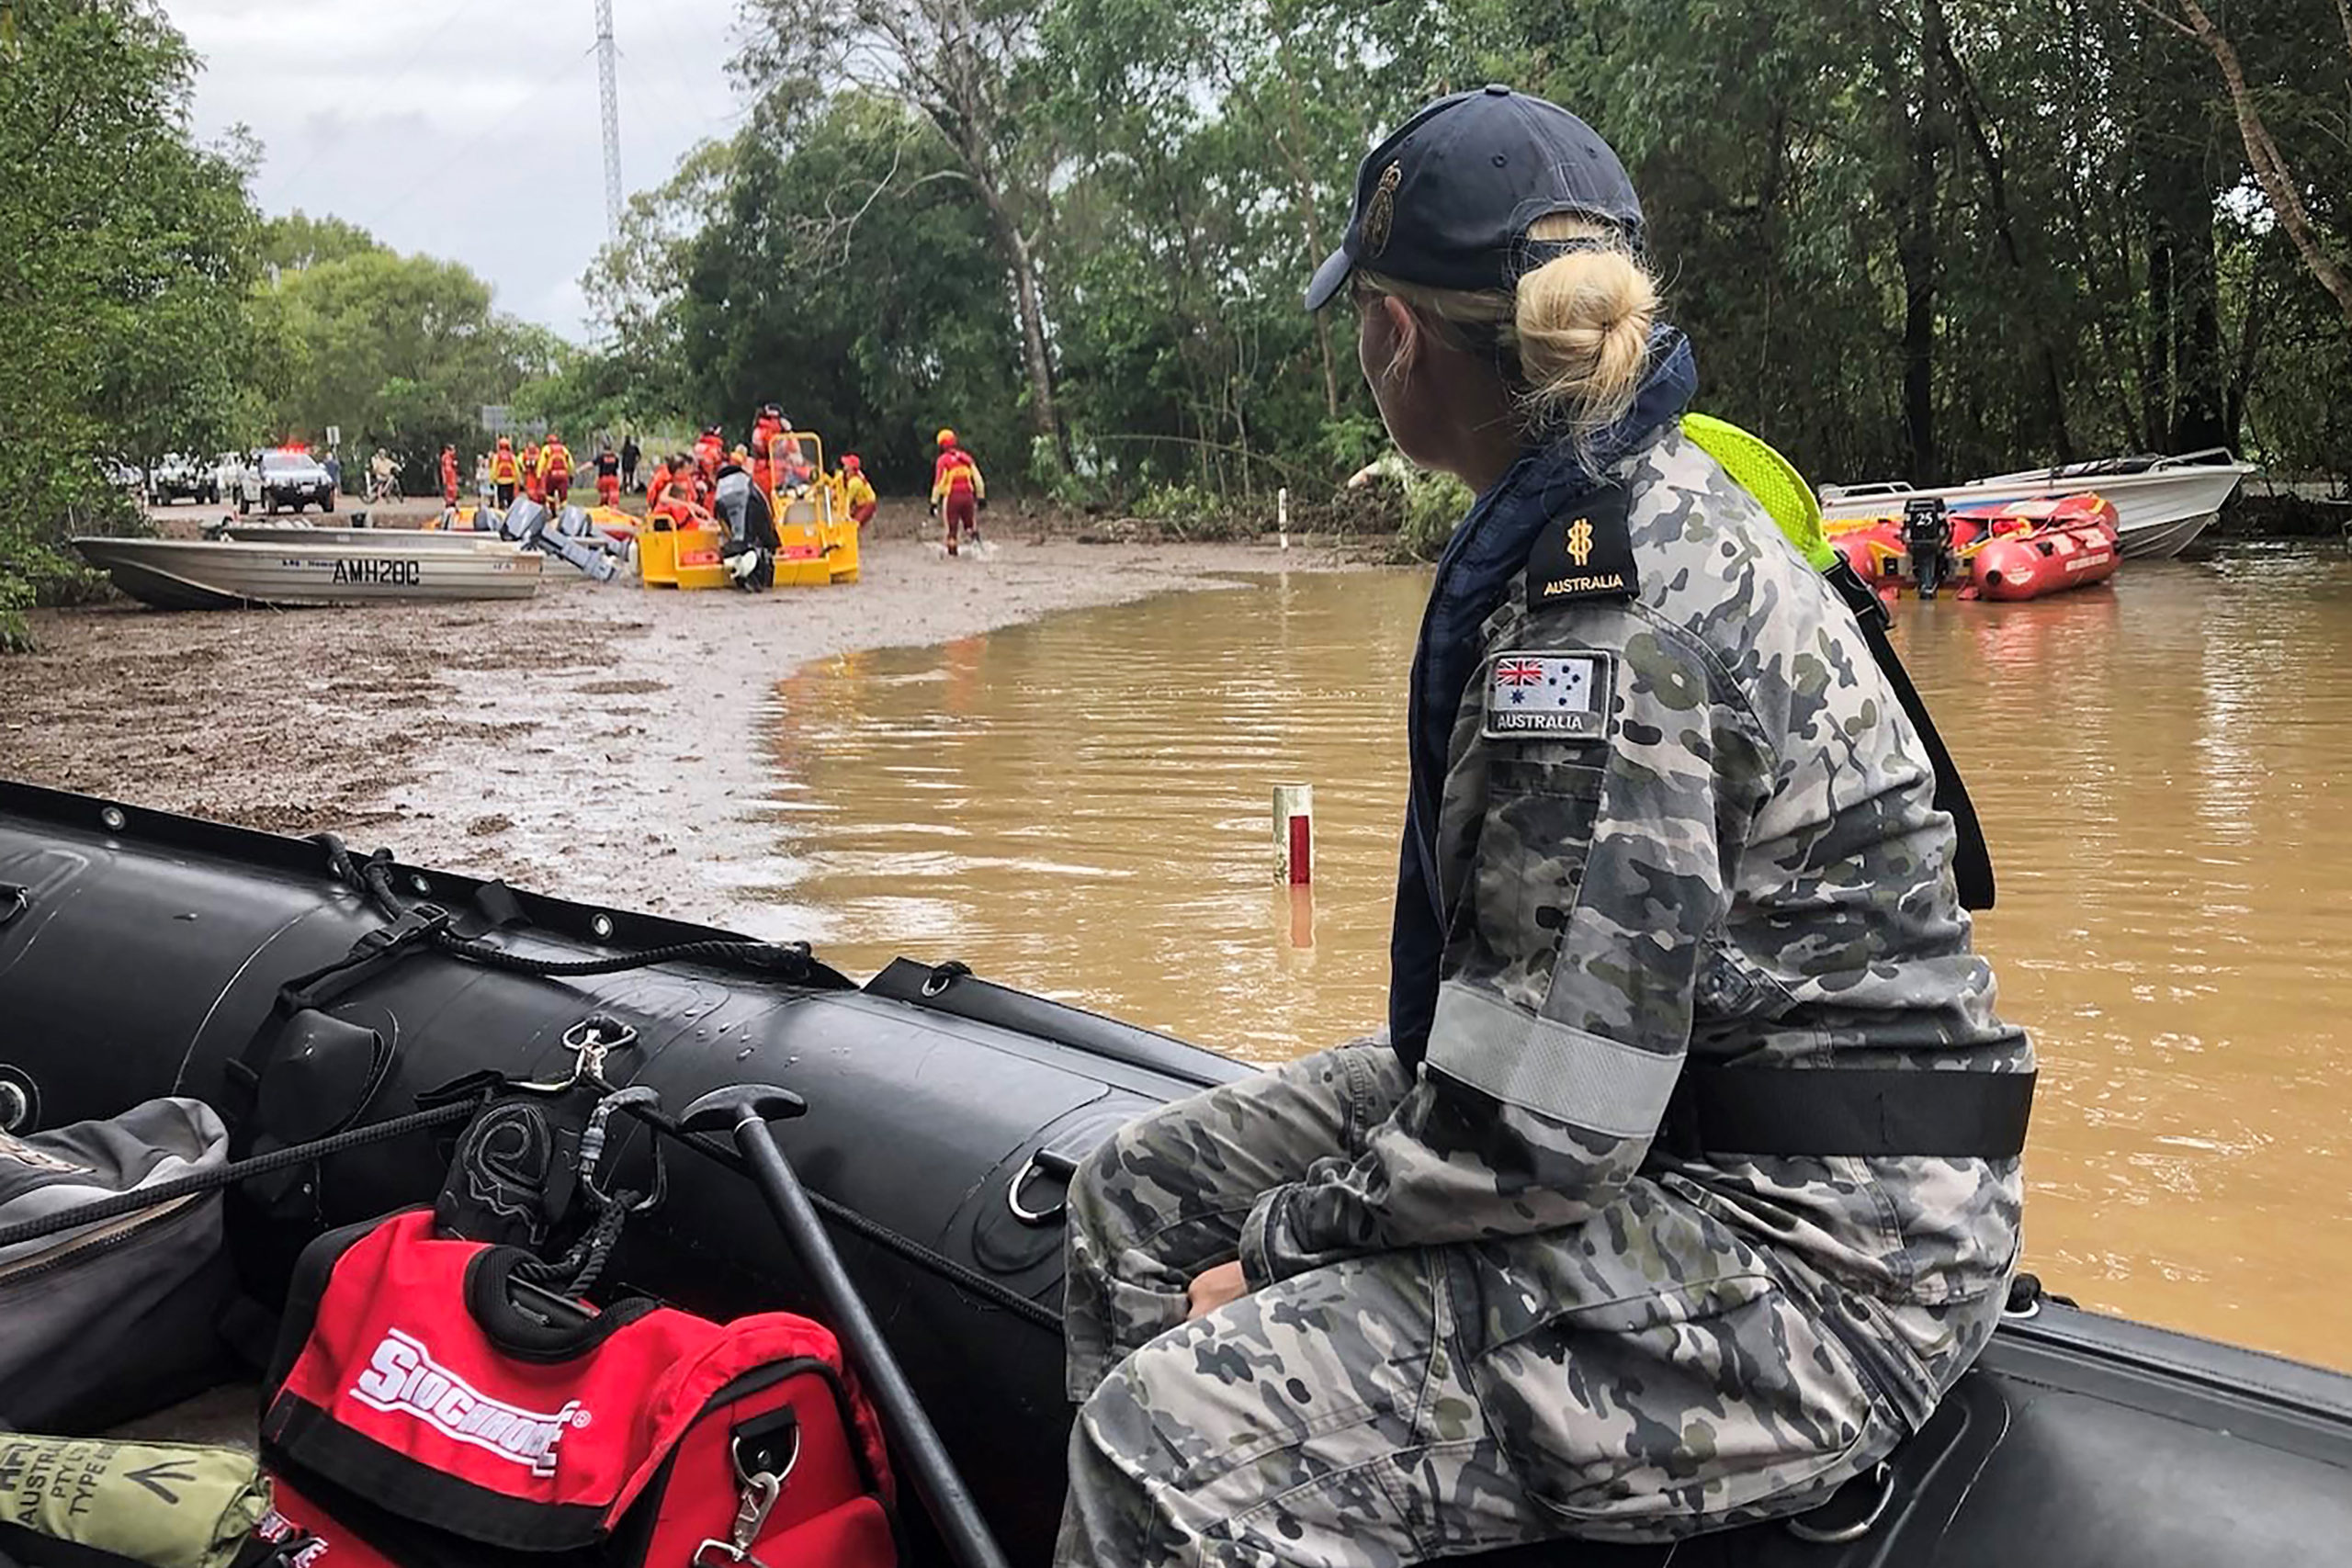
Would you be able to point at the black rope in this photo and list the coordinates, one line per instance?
(788, 960)
(576, 1272)
(211, 1181)
(372, 878)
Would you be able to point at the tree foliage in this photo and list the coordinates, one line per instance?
(122, 282)
(401, 352)
(1911, 238)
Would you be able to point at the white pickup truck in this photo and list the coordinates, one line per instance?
(285, 477)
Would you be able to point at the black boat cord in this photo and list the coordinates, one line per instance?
(372, 878)
(577, 1271)
(223, 1176)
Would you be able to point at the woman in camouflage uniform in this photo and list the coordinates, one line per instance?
(1564, 1255)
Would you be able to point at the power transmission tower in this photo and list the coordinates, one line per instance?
(606, 56)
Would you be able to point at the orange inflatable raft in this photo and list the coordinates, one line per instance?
(2005, 550)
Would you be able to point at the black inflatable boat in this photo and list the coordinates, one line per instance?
(141, 953)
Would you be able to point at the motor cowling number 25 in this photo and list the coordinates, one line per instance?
(383, 573)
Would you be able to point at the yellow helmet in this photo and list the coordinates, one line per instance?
(946, 438)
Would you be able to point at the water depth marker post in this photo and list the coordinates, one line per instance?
(1295, 834)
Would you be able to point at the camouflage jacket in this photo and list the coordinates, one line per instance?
(1741, 863)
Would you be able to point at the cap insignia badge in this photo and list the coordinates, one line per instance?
(1380, 213)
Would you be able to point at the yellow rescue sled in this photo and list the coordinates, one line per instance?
(816, 537)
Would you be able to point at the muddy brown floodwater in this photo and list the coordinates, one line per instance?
(593, 742)
(1081, 807)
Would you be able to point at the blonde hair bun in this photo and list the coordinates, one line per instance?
(1583, 322)
(1577, 329)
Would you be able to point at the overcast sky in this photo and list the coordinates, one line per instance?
(443, 126)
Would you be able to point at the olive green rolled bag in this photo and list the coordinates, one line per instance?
(76, 1503)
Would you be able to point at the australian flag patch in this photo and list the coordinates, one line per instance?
(1548, 696)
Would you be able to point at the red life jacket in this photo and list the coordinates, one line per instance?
(418, 1416)
(955, 468)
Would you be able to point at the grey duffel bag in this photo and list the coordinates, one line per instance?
(111, 1320)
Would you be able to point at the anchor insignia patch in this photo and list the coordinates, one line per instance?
(1585, 553)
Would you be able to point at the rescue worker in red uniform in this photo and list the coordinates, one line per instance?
(709, 452)
(534, 480)
(958, 493)
(506, 473)
(608, 476)
(554, 470)
(449, 475)
(863, 502)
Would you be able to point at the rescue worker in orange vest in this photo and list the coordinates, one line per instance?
(608, 476)
(657, 483)
(709, 452)
(505, 473)
(554, 470)
(675, 500)
(958, 493)
(534, 481)
(770, 425)
(449, 475)
(863, 502)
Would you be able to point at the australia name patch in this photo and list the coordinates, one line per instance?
(1535, 696)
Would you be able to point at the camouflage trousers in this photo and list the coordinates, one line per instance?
(1640, 1378)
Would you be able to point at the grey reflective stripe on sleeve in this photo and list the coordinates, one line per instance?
(1564, 1073)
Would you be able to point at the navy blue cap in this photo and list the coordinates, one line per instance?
(1447, 200)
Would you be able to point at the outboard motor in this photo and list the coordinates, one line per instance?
(524, 522)
(1926, 538)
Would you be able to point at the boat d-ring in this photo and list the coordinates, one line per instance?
(1043, 1162)
(13, 901)
(20, 1100)
(1839, 1535)
(943, 976)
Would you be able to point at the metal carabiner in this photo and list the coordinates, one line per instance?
(757, 1501)
(758, 1492)
(592, 1148)
(591, 1041)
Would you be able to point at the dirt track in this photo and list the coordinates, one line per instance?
(587, 742)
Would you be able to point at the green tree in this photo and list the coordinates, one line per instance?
(124, 281)
(399, 351)
(1909, 238)
(753, 279)
(963, 68)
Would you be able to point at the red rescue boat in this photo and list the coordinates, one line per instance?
(2006, 551)
(2028, 550)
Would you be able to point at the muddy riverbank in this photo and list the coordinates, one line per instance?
(593, 742)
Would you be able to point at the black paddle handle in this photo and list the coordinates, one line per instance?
(944, 1497)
